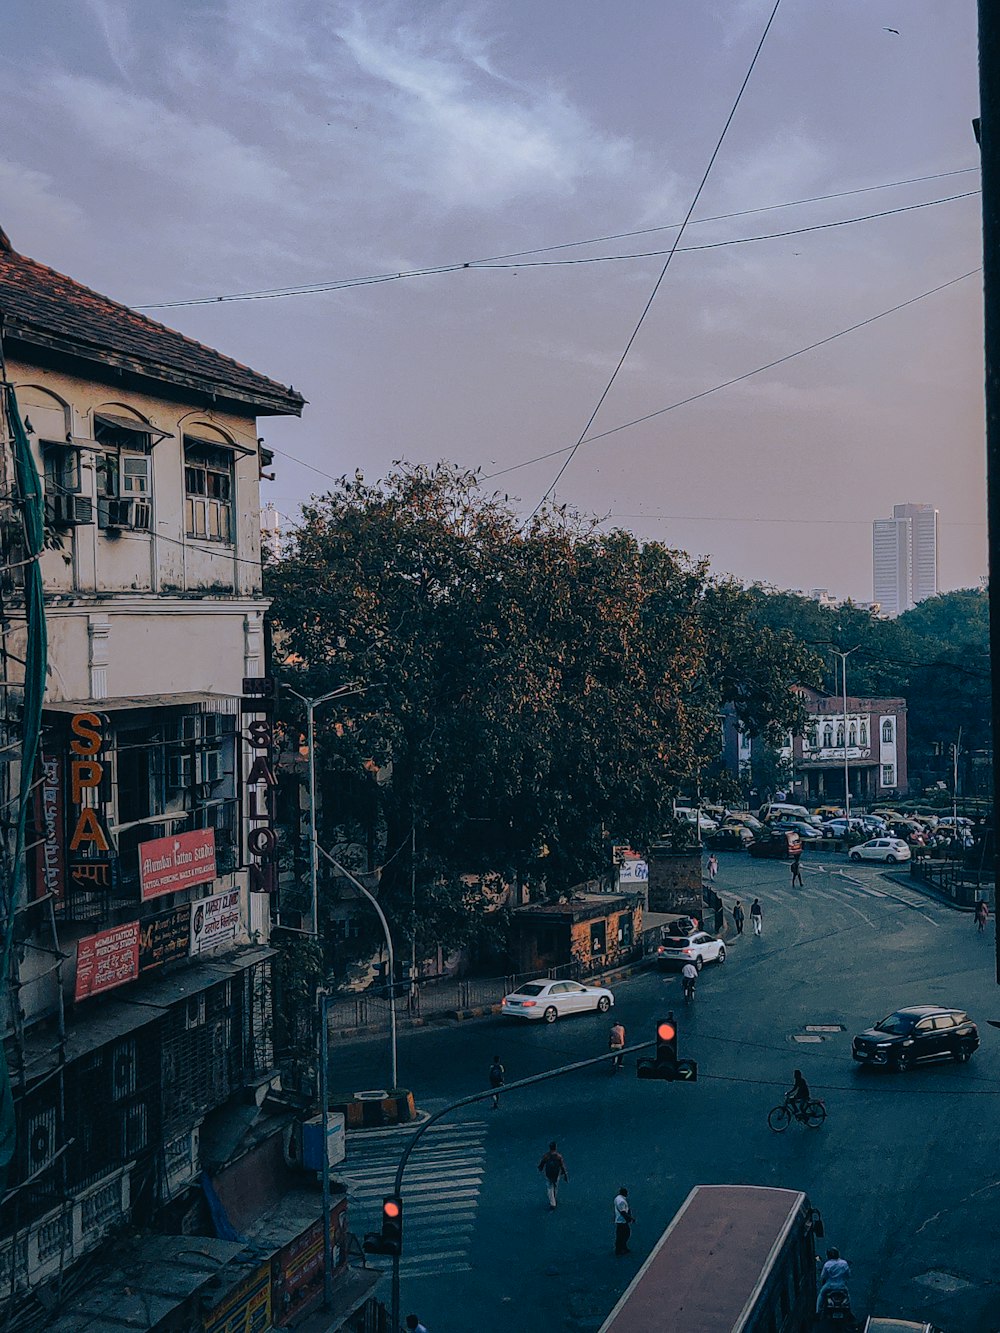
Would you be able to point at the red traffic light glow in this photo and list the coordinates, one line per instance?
(391, 1209)
(666, 1031)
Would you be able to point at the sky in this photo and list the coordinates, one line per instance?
(194, 149)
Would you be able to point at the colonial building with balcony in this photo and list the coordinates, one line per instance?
(138, 1000)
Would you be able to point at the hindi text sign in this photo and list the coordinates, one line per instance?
(107, 960)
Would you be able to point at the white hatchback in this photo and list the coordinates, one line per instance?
(555, 999)
(889, 850)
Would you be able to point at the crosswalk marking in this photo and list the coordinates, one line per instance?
(440, 1192)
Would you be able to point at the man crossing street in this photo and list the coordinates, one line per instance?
(756, 916)
(623, 1221)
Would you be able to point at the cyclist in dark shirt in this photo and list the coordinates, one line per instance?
(799, 1095)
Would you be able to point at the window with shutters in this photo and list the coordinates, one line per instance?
(208, 492)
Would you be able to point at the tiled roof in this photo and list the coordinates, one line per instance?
(43, 309)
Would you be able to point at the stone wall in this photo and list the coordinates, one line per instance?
(675, 881)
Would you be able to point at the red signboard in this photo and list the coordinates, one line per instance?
(297, 1269)
(177, 862)
(107, 960)
(50, 857)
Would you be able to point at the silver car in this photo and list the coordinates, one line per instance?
(550, 1000)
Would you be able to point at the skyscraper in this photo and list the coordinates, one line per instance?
(905, 557)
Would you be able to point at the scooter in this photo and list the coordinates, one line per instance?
(835, 1311)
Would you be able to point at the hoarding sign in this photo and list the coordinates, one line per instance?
(245, 1310)
(86, 774)
(94, 874)
(633, 872)
(107, 960)
(50, 823)
(262, 840)
(164, 938)
(169, 864)
(214, 920)
(297, 1269)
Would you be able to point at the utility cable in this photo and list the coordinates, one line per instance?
(735, 240)
(339, 284)
(666, 265)
(737, 379)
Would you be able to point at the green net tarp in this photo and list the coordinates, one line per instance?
(30, 498)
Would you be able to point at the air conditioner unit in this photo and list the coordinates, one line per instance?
(133, 514)
(70, 511)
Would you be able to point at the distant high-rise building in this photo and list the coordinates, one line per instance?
(905, 557)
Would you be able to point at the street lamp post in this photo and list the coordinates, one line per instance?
(323, 996)
(311, 705)
(388, 944)
(847, 777)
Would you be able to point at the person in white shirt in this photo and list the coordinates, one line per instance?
(623, 1221)
(689, 979)
(833, 1277)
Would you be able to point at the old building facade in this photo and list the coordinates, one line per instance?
(138, 1000)
(873, 731)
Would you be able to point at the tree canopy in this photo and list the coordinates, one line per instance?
(529, 691)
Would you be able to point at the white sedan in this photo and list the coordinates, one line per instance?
(555, 999)
(889, 850)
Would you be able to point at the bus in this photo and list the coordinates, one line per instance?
(735, 1259)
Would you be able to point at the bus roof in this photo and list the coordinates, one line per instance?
(704, 1272)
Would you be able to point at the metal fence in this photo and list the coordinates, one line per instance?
(436, 996)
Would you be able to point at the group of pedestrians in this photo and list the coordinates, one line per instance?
(756, 916)
(553, 1168)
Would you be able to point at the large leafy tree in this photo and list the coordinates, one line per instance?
(527, 689)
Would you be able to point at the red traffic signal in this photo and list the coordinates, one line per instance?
(390, 1239)
(665, 1031)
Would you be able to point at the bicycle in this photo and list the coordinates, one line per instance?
(780, 1117)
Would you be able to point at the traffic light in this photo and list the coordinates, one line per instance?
(390, 1240)
(666, 1044)
(665, 1065)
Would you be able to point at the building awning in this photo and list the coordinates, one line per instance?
(132, 423)
(100, 1023)
(171, 989)
(124, 703)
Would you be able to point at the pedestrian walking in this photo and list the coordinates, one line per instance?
(623, 1221)
(982, 916)
(553, 1168)
(414, 1325)
(797, 870)
(756, 916)
(739, 916)
(713, 867)
(497, 1073)
(616, 1044)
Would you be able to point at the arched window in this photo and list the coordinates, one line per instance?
(853, 734)
(887, 731)
(840, 736)
(864, 733)
(827, 737)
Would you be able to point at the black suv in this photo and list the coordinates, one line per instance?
(920, 1032)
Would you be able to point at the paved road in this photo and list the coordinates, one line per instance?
(903, 1171)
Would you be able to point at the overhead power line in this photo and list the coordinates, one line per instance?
(496, 261)
(666, 264)
(736, 379)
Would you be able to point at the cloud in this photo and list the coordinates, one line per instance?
(461, 132)
(166, 146)
(35, 215)
(112, 20)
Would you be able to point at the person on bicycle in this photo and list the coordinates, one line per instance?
(798, 1097)
(689, 979)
